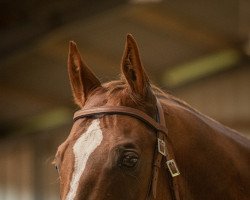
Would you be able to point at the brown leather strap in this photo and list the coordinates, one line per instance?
(169, 156)
(156, 167)
(122, 110)
(173, 180)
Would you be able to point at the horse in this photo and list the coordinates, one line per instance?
(132, 141)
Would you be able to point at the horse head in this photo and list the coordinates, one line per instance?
(108, 156)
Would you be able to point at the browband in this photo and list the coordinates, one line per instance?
(121, 110)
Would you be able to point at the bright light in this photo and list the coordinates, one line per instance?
(202, 67)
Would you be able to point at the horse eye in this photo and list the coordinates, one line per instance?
(129, 159)
(56, 168)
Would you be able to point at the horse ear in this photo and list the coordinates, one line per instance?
(132, 68)
(82, 79)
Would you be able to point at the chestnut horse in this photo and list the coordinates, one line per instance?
(130, 140)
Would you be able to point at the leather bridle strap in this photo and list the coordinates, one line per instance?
(169, 155)
(121, 110)
(164, 148)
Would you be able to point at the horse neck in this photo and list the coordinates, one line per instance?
(206, 152)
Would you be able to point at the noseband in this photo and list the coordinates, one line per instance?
(163, 148)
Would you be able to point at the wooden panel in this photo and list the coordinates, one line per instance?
(26, 172)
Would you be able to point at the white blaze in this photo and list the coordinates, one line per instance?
(82, 149)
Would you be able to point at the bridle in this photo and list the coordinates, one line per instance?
(163, 148)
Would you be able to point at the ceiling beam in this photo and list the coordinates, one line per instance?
(182, 29)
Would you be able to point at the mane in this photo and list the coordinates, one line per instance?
(119, 87)
(159, 93)
(114, 87)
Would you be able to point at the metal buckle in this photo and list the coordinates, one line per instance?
(161, 147)
(173, 168)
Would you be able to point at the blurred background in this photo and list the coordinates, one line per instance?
(197, 50)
